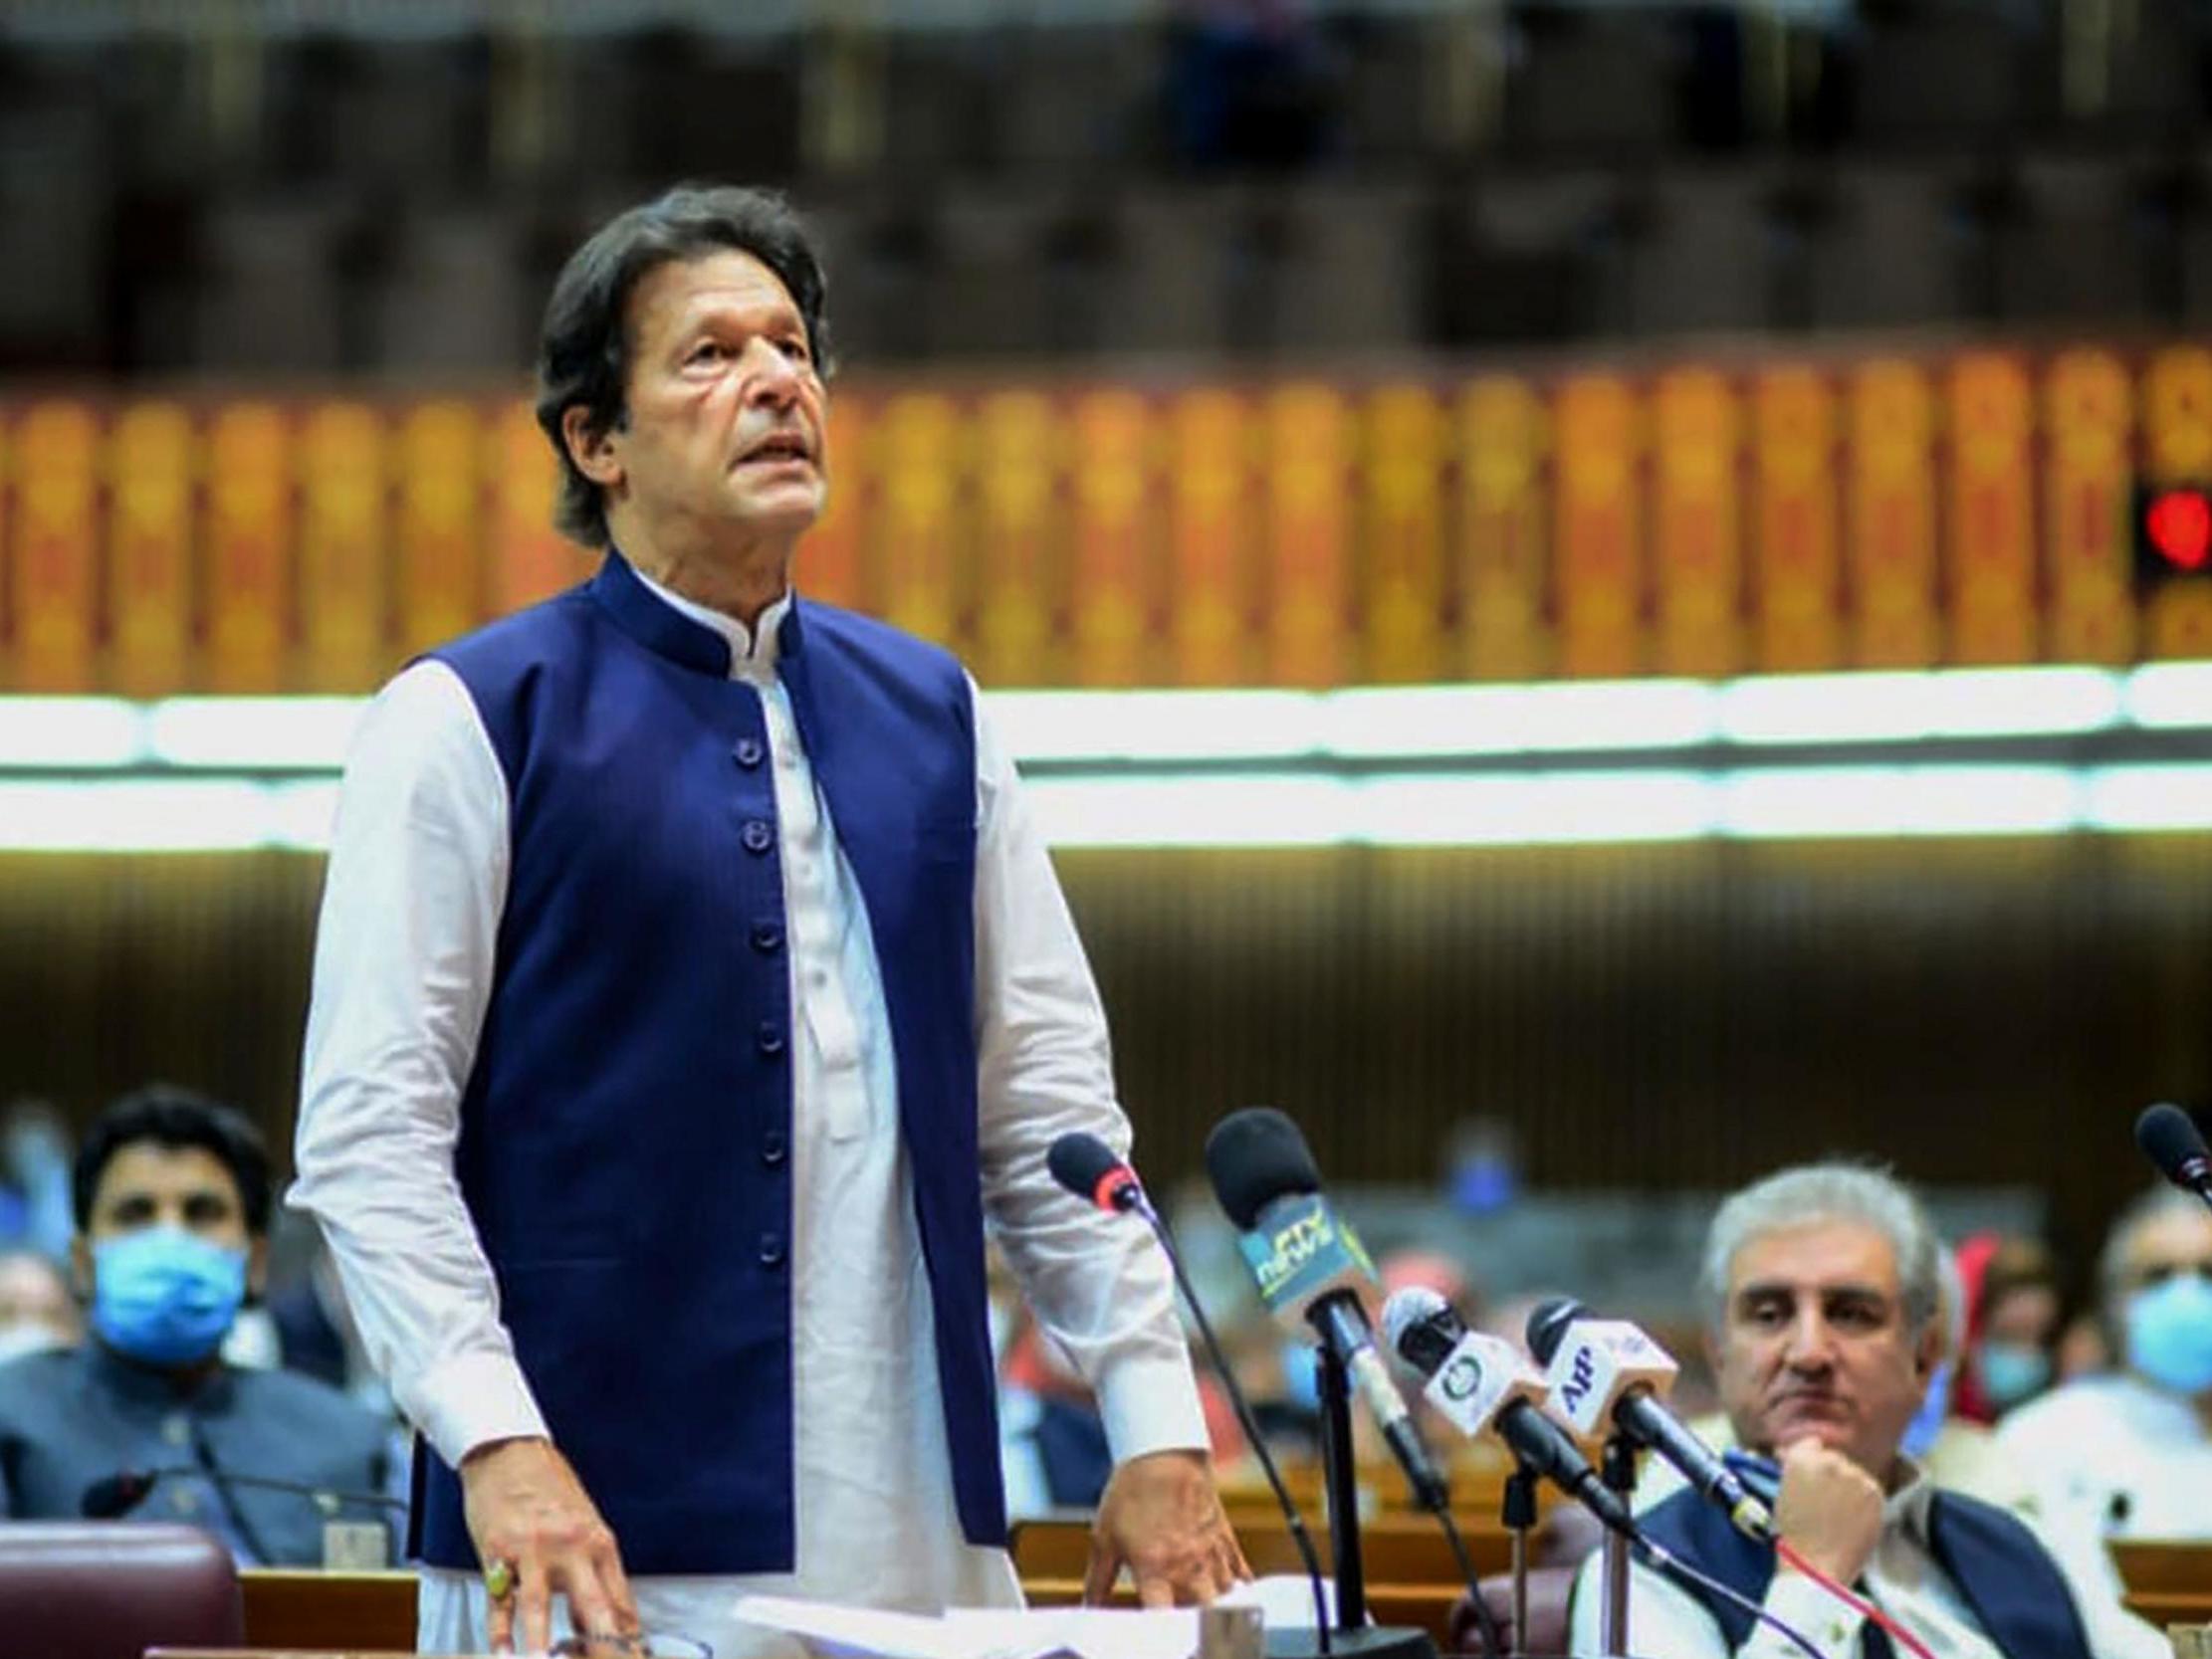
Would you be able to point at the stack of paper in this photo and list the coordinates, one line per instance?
(1018, 1633)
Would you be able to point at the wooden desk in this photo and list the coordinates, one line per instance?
(1411, 1578)
(2168, 1581)
(329, 1611)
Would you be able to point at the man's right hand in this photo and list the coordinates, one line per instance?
(1829, 1510)
(525, 1507)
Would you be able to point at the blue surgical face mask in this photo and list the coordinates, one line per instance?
(1928, 1423)
(2012, 1373)
(2169, 1334)
(165, 1295)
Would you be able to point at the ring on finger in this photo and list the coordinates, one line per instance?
(498, 1580)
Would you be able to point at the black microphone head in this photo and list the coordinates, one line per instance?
(2171, 1140)
(113, 1496)
(1547, 1324)
(1255, 1156)
(1080, 1160)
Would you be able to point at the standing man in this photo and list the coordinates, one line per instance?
(690, 981)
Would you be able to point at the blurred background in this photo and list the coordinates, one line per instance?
(1673, 533)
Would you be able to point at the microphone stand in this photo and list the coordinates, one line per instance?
(1617, 1470)
(1353, 1637)
(1339, 1479)
(1518, 1514)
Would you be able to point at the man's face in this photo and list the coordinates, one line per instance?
(2172, 1241)
(33, 1296)
(147, 1184)
(1815, 1344)
(725, 409)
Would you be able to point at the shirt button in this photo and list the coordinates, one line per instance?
(768, 1039)
(186, 1500)
(768, 937)
(758, 835)
(748, 753)
(771, 1250)
(177, 1430)
(772, 1148)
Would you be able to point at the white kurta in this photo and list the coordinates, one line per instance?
(2111, 1457)
(402, 976)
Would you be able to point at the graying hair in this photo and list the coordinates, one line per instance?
(1808, 1194)
(2153, 1205)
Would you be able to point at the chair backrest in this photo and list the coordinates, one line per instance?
(113, 1589)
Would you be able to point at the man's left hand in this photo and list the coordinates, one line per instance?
(1162, 1518)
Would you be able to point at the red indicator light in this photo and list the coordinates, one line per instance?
(2178, 524)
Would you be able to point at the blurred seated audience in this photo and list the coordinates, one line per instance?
(1821, 1285)
(2130, 1453)
(172, 1198)
(34, 1180)
(2012, 1324)
(36, 1309)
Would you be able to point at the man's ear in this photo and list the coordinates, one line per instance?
(1928, 1353)
(591, 448)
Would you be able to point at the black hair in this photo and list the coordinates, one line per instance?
(176, 1117)
(584, 348)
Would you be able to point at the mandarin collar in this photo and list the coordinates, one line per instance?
(689, 635)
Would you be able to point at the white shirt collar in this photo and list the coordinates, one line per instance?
(1907, 1505)
(752, 650)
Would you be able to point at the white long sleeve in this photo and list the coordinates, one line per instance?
(1098, 1283)
(404, 958)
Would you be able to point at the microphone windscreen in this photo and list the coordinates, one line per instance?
(1255, 1156)
(1079, 1161)
(1547, 1325)
(1407, 1306)
(2171, 1139)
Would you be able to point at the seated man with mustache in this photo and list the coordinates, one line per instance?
(1820, 1286)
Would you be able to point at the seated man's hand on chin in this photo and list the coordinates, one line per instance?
(1162, 1518)
(1830, 1509)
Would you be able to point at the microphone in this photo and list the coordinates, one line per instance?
(113, 1496)
(1091, 1169)
(1606, 1371)
(1481, 1385)
(1310, 1265)
(1094, 1172)
(2169, 1137)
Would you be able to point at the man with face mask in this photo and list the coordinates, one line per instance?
(171, 1200)
(2130, 1452)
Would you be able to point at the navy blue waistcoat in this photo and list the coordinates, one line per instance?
(625, 1134)
(2000, 1567)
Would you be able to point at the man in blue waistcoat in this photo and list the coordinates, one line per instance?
(690, 986)
(1821, 1288)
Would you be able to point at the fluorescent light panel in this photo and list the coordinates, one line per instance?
(1370, 723)
(1294, 809)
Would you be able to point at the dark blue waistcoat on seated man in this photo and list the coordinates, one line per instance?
(2002, 1570)
(626, 1130)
